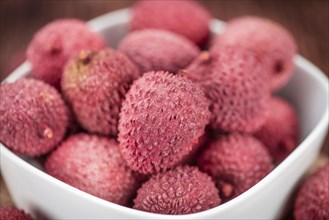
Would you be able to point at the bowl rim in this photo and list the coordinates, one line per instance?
(97, 24)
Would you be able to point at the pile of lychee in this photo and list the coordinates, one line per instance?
(156, 124)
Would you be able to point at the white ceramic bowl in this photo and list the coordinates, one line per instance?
(42, 195)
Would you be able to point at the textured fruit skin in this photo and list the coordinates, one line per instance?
(154, 49)
(12, 213)
(93, 164)
(186, 18)
(33, 117)
(269, 39)
(95, 84)
(236, 162)
(234, 80)
(280, 133)
(161, 119)
(191, 157)
(182, 190)
(54, 44)
(313, 198)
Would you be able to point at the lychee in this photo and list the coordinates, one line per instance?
(183, 190)
(234, 80)
(161, 119)
(93, 164)
(280, 132)
(313, 198)
(54, 44)
(271, 40)
(153, 49)
(33, 117)
(186, 18)
(95, 84)
(12, 213)
(236, 162)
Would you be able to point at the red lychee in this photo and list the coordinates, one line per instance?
(313, 198)
(54, 44)
(95, 84)
(161, 119)
(271, 40)
(183, 190)
(153, 49)
(280, 132)
(33, 117)
(236, 162)
(186, 18)
(235, 82)
(93, 164)
(12, 213)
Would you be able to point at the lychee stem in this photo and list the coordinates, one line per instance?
(226, 189)
(85, 56)
(204, 56)
(47, 133)
(52, 49)
(182, 72)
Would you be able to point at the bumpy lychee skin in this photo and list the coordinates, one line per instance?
(93, 164)
(33, 117)
(12, 213)
(269, 39)
(161, 119)
(153, 49)
(54, 44)
(95, 84)
(186, 18)
(313, 198)
(236, 162)
(183, 190)
(234, 80)
(192, 156)
(280, 132)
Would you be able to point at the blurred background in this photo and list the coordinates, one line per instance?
(307, 20)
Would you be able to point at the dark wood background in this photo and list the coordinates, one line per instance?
(307, 20)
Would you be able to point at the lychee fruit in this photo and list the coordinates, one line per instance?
(280, 132)
(153, 49)
(95, 84)
(234, 80)
(312, 201)
(54, 44)
(236, 162)
(33, 117)
(12, 213)
(269, 39)
(161, 119)
(94, 165)
(186, 18)
(183, 190)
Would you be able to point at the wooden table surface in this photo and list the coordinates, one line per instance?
(307, 20)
